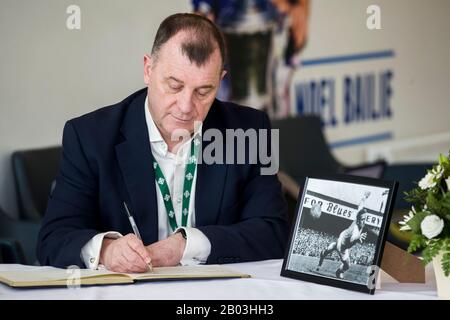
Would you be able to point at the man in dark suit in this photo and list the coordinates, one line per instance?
(187, 211)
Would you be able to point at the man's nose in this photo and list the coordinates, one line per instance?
(185, 103)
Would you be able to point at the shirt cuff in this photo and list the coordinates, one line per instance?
(90, 253)
(198, 247)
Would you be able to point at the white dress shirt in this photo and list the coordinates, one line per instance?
(173, 166)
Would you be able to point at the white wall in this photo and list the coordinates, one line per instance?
(50, 74)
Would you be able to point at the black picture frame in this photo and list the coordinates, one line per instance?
(334, 230)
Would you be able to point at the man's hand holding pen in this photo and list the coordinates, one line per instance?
(128, 253)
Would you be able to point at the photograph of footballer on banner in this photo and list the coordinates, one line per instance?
(339, 231)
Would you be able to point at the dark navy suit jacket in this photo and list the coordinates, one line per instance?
(106, 160)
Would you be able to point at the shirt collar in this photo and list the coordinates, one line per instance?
(153, 131)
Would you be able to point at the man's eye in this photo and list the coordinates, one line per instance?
(203, 93)
(175, 88)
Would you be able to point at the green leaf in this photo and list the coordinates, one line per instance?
(415, 221)
(432, 201)
(446, 257)
(436, 205)
(432, 250)
(443, 160)
(446, 263)
(445, 201)
(416, 196)
(417, 241)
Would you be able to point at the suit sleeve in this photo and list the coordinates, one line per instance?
(262, 231)
(70, 220)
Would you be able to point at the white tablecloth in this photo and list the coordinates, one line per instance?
(266, 283)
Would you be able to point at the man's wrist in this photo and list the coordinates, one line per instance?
(105, 244)
(198, 247)
(181, 237)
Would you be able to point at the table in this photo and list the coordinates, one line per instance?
(265, 284)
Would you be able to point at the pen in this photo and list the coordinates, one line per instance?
(136, 231)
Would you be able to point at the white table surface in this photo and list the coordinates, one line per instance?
(265, 284)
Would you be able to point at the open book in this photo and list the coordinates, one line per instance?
(54, 277)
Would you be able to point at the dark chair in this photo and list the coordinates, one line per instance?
(18, 239)
(11, 252)
(35, 171)
(408, 175)
(304, 151)
(303, 148)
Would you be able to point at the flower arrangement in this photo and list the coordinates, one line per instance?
(429, 218)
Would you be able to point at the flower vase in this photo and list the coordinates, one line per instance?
(442, 282)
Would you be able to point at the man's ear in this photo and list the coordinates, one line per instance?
(148, 63)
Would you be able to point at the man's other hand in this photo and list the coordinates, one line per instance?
(167, 252)
(126, 254)
(363, 236)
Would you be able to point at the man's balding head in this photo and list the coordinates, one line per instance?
(203, 37)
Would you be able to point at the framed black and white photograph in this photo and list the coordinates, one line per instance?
(339, 231)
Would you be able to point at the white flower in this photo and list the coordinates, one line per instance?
(432, 226)
(438, 171)
(427, 181)
(406, 218)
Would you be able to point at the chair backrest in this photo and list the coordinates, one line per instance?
(407, 176)
(303, 147)
(18, 239)
(372, 170)
(11, 252)
(35, 171)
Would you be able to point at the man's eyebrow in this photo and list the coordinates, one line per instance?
(206, 86)
(174, 79)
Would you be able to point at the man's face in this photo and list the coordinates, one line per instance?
(179, 91)
(362, 221)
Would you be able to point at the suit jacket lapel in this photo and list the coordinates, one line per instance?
(134, 157)
(210, 178)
